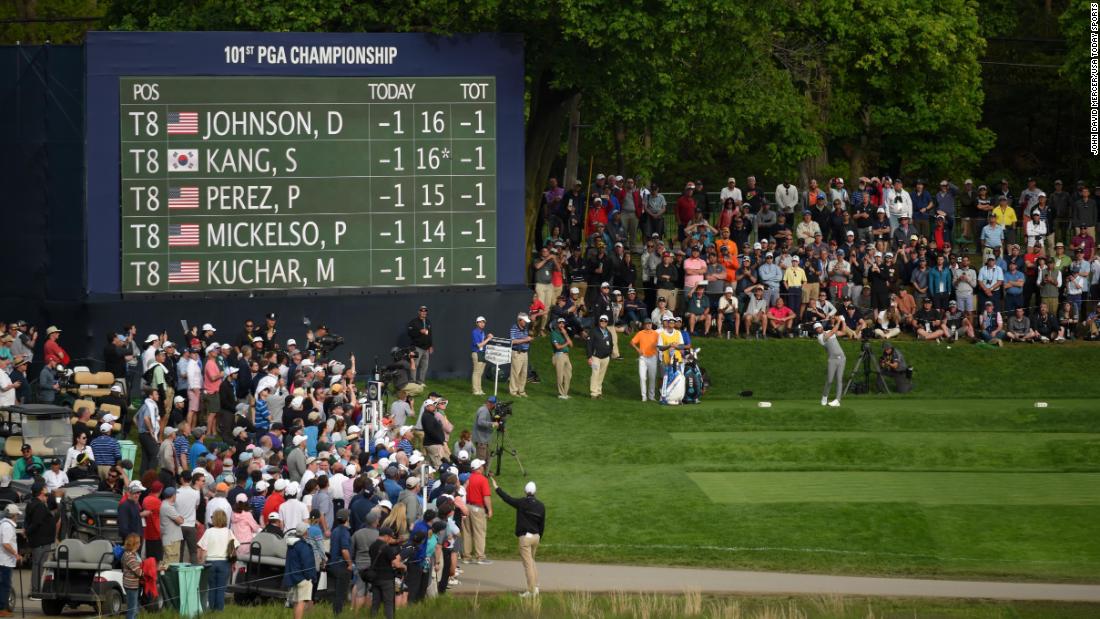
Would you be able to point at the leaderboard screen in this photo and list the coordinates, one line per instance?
(280, 177)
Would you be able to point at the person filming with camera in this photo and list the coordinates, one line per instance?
(483, 427)
(404, 366)
(893, 365)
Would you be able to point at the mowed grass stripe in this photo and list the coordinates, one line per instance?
(770, 450)
(890, 487)
(900, 436)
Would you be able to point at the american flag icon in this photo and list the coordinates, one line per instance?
(183, 235)
(183, 123)
(183, 197)
(183, 272)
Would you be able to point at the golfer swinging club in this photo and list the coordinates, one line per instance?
(835, 370)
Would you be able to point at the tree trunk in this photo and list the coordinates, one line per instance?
(572, 155)
(620, 139)
(811, 167)
(544, 130)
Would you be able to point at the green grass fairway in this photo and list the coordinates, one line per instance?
(963, 478)
(905, 487)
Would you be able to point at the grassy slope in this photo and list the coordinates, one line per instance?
(615, 473)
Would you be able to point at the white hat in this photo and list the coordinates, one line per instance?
(412, 482)
(310, 460)
(605, 285)
(463, 454)
(818, 325)
(227, 345)
(296, 403)
(600, 176)
(275, 515)
(178, 399)
(403, 430)
(298, 440)
(116, 388)
(169, 344)
(109, 418)
(529, 488)
(208, 327)
(213, 346)
(795, 259)
(292, 488)
(416, 458)
(604, 317)
(350, 470)
(232, 369)
(575, 290)
(306, 363)
(729, 289)
(105, 428)
(618, 177)
(257, 339)
(261, 486)
(480, 319)
(757, 245)
(135, 486)
(280, 485)
(477, 464)
(524, 318)
(385, 503)
(151, 337)
(292, 342)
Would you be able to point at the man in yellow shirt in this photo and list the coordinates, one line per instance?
(794, 277)
(1006, 216)
(670, 342)
(645, 342)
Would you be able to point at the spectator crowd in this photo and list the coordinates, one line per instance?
(248, 432)
(946, 262)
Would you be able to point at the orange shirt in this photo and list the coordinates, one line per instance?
(727, 243)
(646, 341)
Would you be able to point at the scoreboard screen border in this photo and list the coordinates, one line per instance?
(113, 55)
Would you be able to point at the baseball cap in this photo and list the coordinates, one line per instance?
(477, 463)
(479, 319)
(274, 515)
(177, 400)
(530, 487)
(208, 327)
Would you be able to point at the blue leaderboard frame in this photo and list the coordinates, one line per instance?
(112, 55)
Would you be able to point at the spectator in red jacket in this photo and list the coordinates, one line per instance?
(53, 349)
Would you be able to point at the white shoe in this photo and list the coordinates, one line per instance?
(824, 401)
(643, 398)
(527, 594)
(834, 403)
(563, 397)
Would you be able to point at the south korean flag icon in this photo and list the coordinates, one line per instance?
(183, 160)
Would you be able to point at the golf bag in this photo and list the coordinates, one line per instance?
(694, 382)
(672, 389)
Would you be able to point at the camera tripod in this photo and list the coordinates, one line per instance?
(867, 363)
(499, 450)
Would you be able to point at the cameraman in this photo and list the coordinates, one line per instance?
(483, 427)
(406, 370)
(893, 365)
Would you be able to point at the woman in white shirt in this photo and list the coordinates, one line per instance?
(80, 446)
(215, 548)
